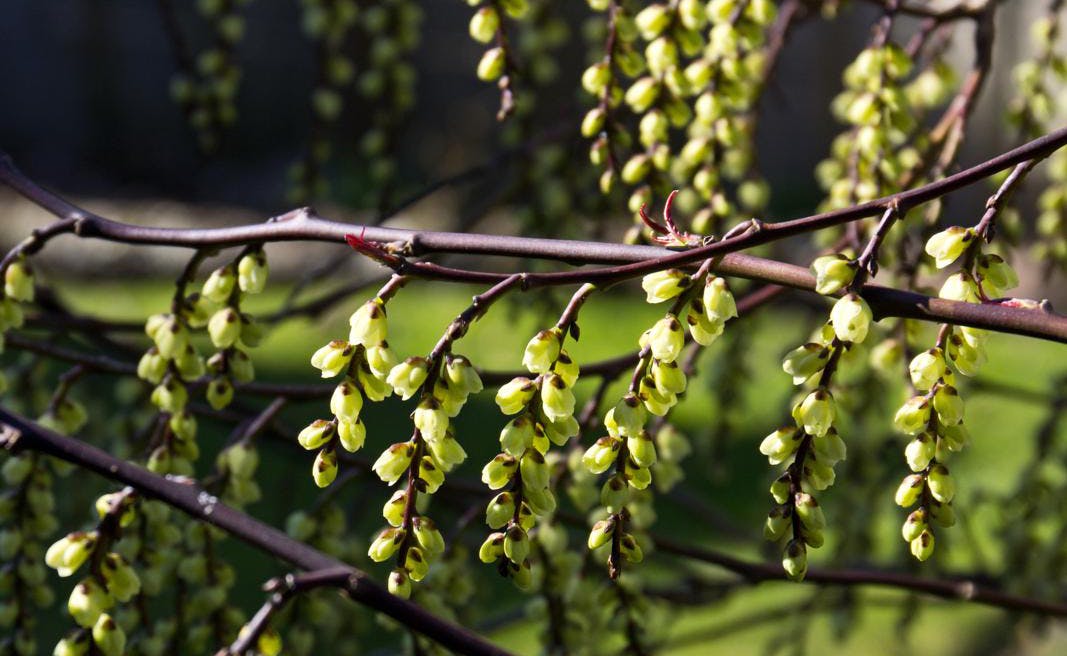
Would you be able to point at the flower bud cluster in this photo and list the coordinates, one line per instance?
(629, 450)
(232, 332)
(1051, 245)
(150, 547)
(707, 314)
(544, 414)
(18, 289)
(691, 65)
(1035, 104)
(328, 23)
(173, 360)
(236, 466)
(812, 457)
(1033, 111)
(368, 365)
(487, 27)
(27, 518)
(209, 579)
(672, 446)
(812, 446)
(443, 382)
(934, 421)
(980, 277)
(881, 106)
(317, 621)
(111, 578)
(724, 82)
(387, 81)
(207, 91)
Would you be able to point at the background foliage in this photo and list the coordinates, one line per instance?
(374, 112)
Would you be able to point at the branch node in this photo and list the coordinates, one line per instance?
(9, 438)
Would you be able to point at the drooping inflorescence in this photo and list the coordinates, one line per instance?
(207, 81)
(628, 450)
(685, 68)
(366, 363)
(543, 408)
(173, 362)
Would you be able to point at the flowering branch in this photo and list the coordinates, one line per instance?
(304, 225)
(184, 495)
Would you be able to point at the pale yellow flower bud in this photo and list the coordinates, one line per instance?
(781, 444)
(492, 549)
(542, 351)
(431, 419)
(949, 405)
(252, 272)
(18, 281)
(816, 413)
(386, 544)
(960, 287)
(513, 396)
(795, 560)
(946, 246)
(662, 286)
(324, 469)
(368, 324)
(516, 544)
(664, 339)
(407, 377)
(719, 303)
(909, 490)
(108, 636)
(805, 361)
(942, 485)
(996, 275)
(346, 401)
(394, 462)
(219, 285)
(352, 434)
(599, 457)
(922, 547)
(484, 24)
(913, 416)
(927, 368)
(627, 418)
(601, 533)
(920, 451)
(498, 472)
(316, 434)
(557, 400)
(333, 358)
(851, 318)
(400, 583)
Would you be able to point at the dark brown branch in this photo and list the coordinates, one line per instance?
(281, 591)
(195, 502)
(303, 224)
(960, 590)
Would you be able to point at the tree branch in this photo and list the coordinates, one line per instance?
(304, 224)
(185, 495)
(960, 590)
